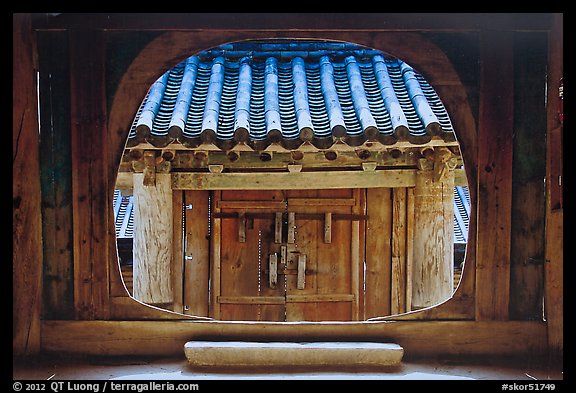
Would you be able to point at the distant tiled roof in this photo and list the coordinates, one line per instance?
(290, 92)
(124, 217)
(461, 214)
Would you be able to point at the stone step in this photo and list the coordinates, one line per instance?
(299, 354)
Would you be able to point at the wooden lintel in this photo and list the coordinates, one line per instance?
(298, 180)
(265, 180)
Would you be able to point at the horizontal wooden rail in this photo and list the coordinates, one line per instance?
(418, 338)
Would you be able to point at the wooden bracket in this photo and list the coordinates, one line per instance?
(149, 168)
(215, 168)
(369, 166)
(294, 168)
(441, 158)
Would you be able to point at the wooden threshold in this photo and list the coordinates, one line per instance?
(246, 354)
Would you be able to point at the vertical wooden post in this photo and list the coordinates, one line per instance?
(495, 129)
(27, 225)
(432, 264)
(152, 249)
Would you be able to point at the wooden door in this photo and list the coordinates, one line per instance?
(288, 255)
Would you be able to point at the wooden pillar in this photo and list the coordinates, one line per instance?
(432, 265)
(152, 248)
(26, 224)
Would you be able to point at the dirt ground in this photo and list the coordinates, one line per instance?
(125, 368)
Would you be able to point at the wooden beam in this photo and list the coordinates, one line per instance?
(419, 338)
(26, 202)
(214, 22)
(191, 181)
(495, 130)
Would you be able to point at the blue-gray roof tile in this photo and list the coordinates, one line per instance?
(290, 92)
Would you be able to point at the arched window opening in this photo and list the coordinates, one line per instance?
(291, 180)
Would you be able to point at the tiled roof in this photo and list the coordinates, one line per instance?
(124, 217)
(290, 92)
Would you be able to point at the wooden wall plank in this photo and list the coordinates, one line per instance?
(56, 175)
(528, 173)
(399, 231)
(26, 202)
(495, 129)
(90, 194)
(378, 252)
(196, 253)
(215, 257)
(554, 265)
(178, 262)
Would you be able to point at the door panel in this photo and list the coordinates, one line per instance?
(328, 245)
(327, 295)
